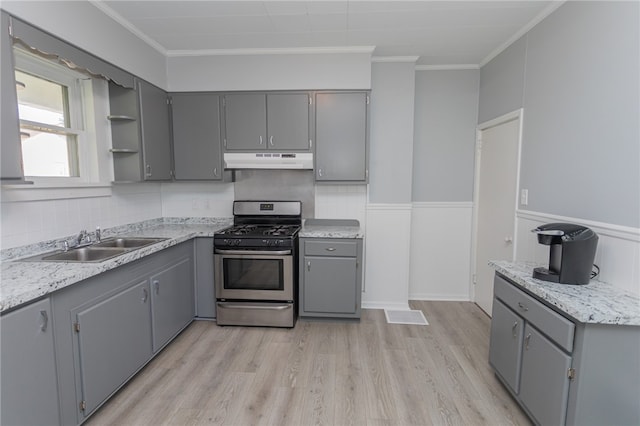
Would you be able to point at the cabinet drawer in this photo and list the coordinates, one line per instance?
(331, 248)
(555, 326)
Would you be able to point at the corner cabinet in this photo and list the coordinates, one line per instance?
(267, 121)
(109, 326)
(559, 370)
(141, 142)
(197, 149)
(341, 136)
(29, 394)
(330, 283)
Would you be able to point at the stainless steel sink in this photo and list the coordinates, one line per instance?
(97, 252)
(85, 254)
(128, 242)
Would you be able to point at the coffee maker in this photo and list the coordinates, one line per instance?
(571, 254)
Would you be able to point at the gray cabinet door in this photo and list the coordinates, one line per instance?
(196, 136)
(28, 369)
(288, 121)
(113, 341)
(330, 285)
(341, 137)
(11, 149)
(544, 384)
(245, 121)
(205, 294)
(156, 137)
(505, 350)
(172, 301)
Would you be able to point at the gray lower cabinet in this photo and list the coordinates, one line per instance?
(559, 370)
(267, 121)
(29, 394)
(341, 129)
(109, 326)
(330, 282)
(172, 301)
(113, 341)
(205, 292)
(196, 136)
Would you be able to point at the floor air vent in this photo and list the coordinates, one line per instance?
(405, 317)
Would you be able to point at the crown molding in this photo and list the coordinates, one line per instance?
(412, 59)
(522, 31)
(273, 51)
(447, 67)
(128, 25)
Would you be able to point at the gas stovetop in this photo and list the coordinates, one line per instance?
(260, 231)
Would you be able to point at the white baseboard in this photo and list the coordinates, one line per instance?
(451, 297)
(386, 305)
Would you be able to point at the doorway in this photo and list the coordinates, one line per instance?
(495, 200)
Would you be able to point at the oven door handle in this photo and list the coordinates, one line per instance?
(269, 308)
(252, 252)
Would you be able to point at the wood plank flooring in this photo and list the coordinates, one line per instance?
(323, 373)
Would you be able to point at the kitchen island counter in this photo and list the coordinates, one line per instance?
(25, 281)
(593, 303)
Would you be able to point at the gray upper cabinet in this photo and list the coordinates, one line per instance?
(196, 136)
(29, 394)
(341, 137)
(11, 149)
(156, 135)
(288, 121)
(259, 121)
(140, 132)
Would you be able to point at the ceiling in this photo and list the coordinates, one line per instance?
(437, 32)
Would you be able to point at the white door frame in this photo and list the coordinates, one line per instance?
(510, 116)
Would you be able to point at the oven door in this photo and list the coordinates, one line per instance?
(254, 275)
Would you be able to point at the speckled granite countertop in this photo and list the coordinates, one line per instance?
(330, 231)
(594, 303)
(22, 282)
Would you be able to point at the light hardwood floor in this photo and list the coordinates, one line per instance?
(323, 373)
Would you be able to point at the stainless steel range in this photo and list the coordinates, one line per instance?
(256, 264)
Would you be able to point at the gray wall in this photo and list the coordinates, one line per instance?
(391, 132)
(581, 99)
(446, 109)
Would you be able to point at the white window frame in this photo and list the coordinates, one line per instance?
(88, 107)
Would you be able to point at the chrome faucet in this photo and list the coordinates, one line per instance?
(98, 234)
(82, 236)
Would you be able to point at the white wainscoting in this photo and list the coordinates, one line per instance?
(618, 254)
(387, 247)
(440, 251)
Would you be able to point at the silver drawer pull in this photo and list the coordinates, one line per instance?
(523, 307)
(44, 317)
(514, 329)
(264, 307)
(526, 341)
(330, 249)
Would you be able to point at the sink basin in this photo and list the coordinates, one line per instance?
(97, 252)
(85, 254)
(128, 242)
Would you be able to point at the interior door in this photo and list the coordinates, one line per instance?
(495, 204)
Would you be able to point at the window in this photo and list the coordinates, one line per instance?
(57, 116)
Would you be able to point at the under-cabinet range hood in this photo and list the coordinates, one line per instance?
(268, 160)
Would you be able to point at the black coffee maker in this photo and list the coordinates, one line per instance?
(571, 255)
